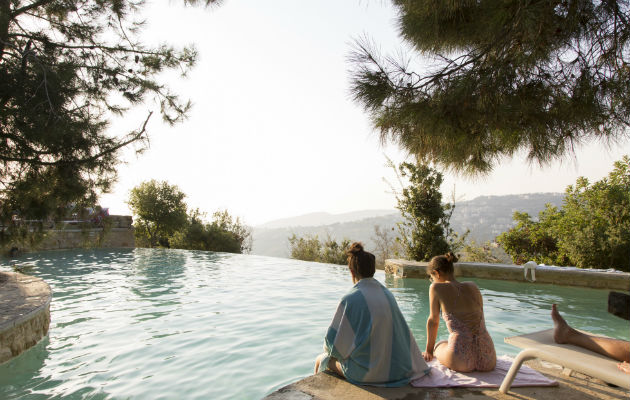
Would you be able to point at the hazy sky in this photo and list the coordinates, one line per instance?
(273, 132)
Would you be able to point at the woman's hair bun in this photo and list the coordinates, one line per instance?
(355, 248)
(450, 257)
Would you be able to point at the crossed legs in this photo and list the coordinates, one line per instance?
(613, 348)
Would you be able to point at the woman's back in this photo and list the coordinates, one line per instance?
(469, 346)
(462, 311)
(462, 305)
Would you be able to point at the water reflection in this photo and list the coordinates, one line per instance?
(412, 296)
(157, 273)
(31, 373)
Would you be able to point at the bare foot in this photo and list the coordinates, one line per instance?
(561, 329)
(624, 366)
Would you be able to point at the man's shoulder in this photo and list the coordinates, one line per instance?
(352, 294)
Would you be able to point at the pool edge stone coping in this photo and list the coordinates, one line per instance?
(327, 386)
(24, 313)
(566, 276)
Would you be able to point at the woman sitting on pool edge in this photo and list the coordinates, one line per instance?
(469, 346)
(369, 341)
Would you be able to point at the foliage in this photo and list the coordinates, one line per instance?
(505, 76)
(425, 231)
(159, 211)
(161, 219)
(242, 233)
(21, 236)
(472, 252)
(333, 252)
(385, 246)
(310, 248)
(531, 240)
(591, 230)
(214, 236)
(305, 248)
(66, 67)
(595, 227)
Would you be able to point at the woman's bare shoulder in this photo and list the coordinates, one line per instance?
(471, 286)
(438, 288)
(473, 291)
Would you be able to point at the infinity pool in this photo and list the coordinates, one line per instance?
(167, 324)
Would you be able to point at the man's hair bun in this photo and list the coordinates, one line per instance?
(450, 257)
(355, 248)
(361, 261)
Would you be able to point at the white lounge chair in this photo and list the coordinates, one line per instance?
(541, 345)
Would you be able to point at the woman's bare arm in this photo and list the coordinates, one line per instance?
(433, 322)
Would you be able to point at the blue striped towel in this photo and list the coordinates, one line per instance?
(371, 339)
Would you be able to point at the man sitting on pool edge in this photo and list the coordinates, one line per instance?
(369, 341)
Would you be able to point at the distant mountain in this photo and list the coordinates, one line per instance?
(489, 216)
(323, 218)
(485, 216)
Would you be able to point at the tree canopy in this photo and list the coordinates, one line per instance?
(537, 76)
(159, 211)
(66, 67)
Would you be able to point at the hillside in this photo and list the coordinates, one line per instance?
(323, 218)
(485, 216)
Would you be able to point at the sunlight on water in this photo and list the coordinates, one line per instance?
(164, 324)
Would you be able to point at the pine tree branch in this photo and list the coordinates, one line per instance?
(135, 136)
(29, 7)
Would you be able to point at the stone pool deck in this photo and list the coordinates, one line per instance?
(24, 313)
(566, 276)
(324, 386)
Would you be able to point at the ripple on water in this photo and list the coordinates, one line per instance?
(151, 324)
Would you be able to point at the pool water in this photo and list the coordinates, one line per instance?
(166, 324)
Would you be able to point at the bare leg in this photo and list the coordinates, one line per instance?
(563, 333)
(444, 356)
(318, 361)
(333, 365)
(447, 358)
(440, 351)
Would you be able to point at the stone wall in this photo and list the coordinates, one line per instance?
(80, 238)
(24, 313)
(568, 276)
(115, 231)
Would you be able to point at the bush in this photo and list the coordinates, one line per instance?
(385, 245)
(222, 234)
(472, 252)
(309, 248)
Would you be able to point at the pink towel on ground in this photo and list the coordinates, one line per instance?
(440, 376)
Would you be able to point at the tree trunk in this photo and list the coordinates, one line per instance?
(5, 18)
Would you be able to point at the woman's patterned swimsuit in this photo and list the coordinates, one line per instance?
(470, 340)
